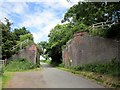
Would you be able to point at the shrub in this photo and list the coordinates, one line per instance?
(112, 32)
(19, 65)
(111, 68)
(61, 65)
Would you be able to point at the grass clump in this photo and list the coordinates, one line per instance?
(61, 65)
(46, 61)
(6, 77)
(19, 65)
(110, 68)
(107, 74)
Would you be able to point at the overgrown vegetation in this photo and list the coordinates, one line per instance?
(46, 61)
(108, 74)
(6, 77)
(110, 68)
(12, 37)
(112, 32)
(79, 17)
(19, 65)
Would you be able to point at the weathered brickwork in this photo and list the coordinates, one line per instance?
(85, 49)
(29, 53)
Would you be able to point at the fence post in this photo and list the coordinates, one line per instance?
(20, 45)
(93, 26)
(27, 41)
(102, 25)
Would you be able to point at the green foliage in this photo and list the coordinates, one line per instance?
(46, 61)
(61, 65)
(9, 38)
(5, 78)
(21, 45)
(42, 60)
(19, 65)
(90, 12)
(112, 32)
(18, 32)
(99, 32)
(26, 36)
(43, 45)
(58, 37)
(79, 17)
(111, 68)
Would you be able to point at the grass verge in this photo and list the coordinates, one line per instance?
(107, 74)
(6, 77)
(20, 65)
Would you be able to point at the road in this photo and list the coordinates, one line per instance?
(49, 77)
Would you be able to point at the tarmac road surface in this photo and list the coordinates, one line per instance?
(49, 77)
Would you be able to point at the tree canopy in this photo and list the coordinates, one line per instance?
(79, 17)
(26, 36)
(20, 31)
(91, 12)
(10, 38)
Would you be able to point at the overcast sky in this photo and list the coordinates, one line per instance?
(39, 17)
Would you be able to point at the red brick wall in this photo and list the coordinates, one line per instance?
(30, 53)
(85, 49)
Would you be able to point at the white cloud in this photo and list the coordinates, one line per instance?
(42, 20)
(19, 8)
(7, 9)
(43, 23)
(46, 1)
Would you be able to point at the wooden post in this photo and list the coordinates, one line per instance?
(27, 40)
(93, 26)
(20, 45)
(102, 25)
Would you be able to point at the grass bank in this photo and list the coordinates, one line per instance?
(6, 77)
(20, 65)
(106, 74)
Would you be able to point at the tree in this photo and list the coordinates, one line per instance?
(43, 46)
(26, 36)
(18, 32)
(58, 37)
(7, 39)
(91, 12)
(79, 17)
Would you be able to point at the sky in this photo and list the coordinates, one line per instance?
(38, 16)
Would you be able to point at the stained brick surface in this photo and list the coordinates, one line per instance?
(85, 49)
(30, 53)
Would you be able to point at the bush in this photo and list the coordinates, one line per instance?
(61, 65)
(111, 68)
(112, 32)
(19, 65)
(46, 61)
(42, 60)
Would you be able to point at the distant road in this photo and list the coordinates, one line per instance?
(49, 77)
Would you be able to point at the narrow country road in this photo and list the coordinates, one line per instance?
(49, 77)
